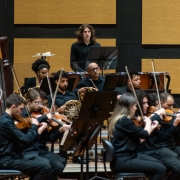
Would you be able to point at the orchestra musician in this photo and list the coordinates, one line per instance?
(38, 146)
(13, 141)
(41, 68)
(136, 81)
(126, 138)
(94, 79)
(161, 144)
(63, 95)
(79, 50)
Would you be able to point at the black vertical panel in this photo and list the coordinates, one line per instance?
(129, 30)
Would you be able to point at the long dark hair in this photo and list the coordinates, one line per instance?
(80, 31)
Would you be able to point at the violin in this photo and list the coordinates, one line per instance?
(138, 121)
(57, 119)
(22, 123)
(169, 115)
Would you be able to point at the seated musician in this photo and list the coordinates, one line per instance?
(63, 95)
(41, 68)
(136, 81)
(13, 141)
(38, 146)
(94, 80)
(161, 144)
(126, 138)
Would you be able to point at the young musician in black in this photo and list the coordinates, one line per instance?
(136, 81)
(161, 144)
(63, 95)
(41, 68)
(38, 146)
(13, 141)
(79, 50)
(126, 138)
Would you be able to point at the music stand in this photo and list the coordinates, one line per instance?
(104, 56)
(114, 80)
(45, 87)
(94, 110)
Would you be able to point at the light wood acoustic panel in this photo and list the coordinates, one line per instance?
(24, 48)
(160, 22)
(165, 65)
(65, 12)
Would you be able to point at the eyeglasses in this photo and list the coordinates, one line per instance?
(38, 102)
(94, 69)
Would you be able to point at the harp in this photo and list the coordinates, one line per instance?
(6, 80)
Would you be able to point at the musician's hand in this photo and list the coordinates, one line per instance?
(64, 128)
(42, 127)
(62, 109)
(49, 115)
(154, 124)
(147, 120)
(82, 90)
(118, 97)
(34, 121)
(177, 120)
(161, 112)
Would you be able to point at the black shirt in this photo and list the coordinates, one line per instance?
(79, 54)
(126, 136)
(61, 99)
(162, 137)
(40, 141)
(122, 90)
(85, 82)
(30, 83)
(12, 140)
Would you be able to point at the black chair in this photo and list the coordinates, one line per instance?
(11, 174)
(108, 156)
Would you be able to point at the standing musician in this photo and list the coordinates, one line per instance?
(161, 144)
(136, 81)
(126, 138)
(94, 80)
(79, 50)
(38, 146)
(63, 95)
(13, 141)
(41, 68)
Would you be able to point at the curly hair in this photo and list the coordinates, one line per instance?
(80, 31)
(64, 75)
(40, 64)
(141, 95)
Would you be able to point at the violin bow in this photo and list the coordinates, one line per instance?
(155, 80)
(55, 93)
(134, 91)
(17, 83)
(49, 84)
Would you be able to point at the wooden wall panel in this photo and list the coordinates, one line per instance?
(24, 48)
(160, 22)
(166, 65)
(65, 12)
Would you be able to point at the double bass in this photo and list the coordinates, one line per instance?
(6, 78)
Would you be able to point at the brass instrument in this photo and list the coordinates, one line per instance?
(89, 89)
(72, 109)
